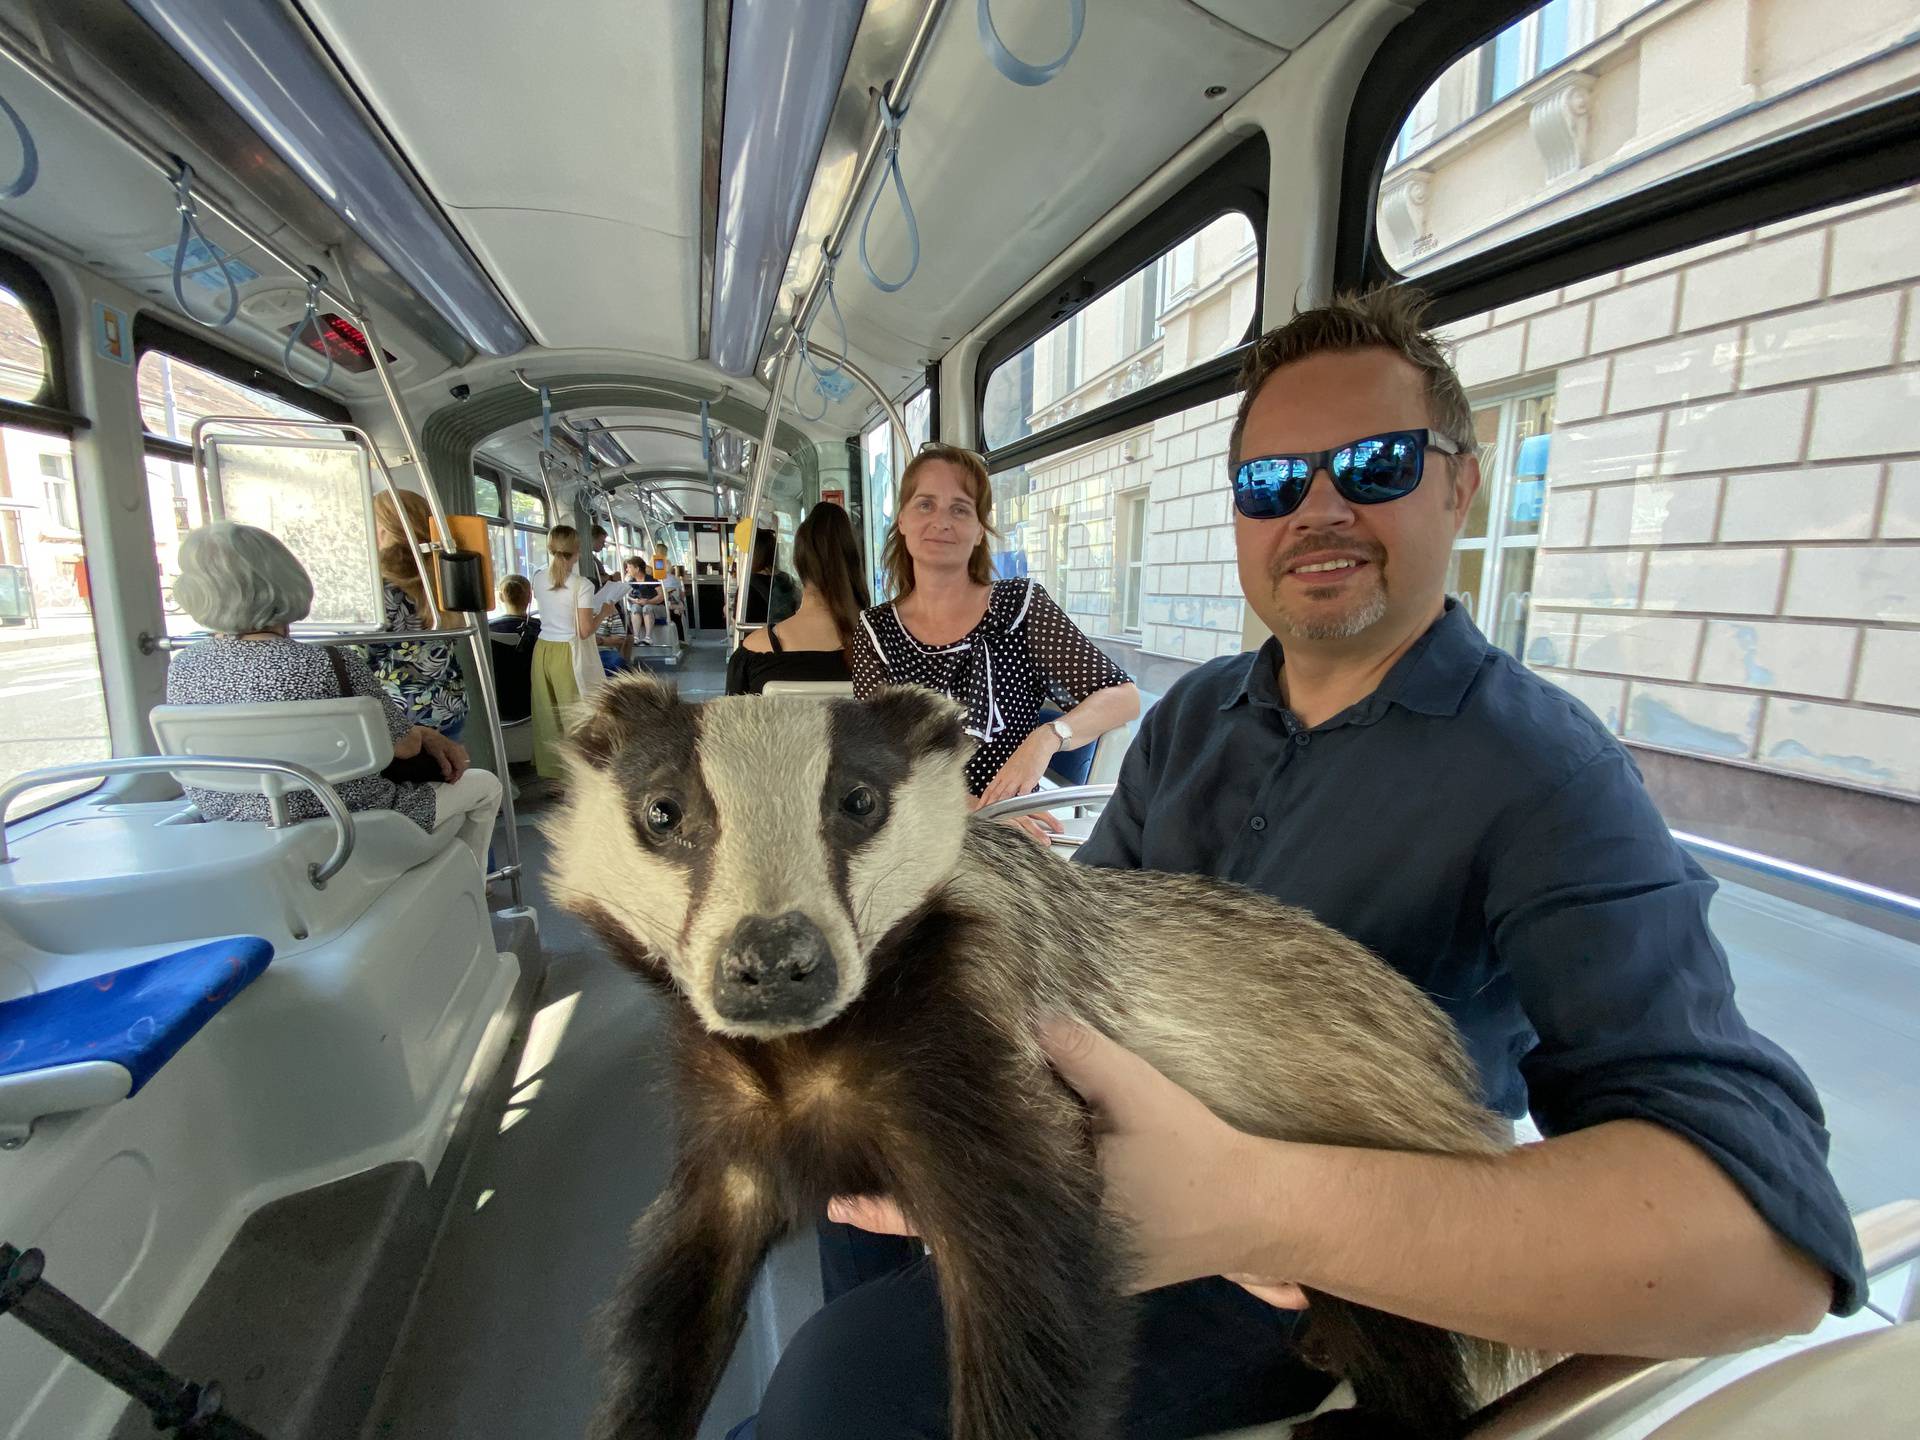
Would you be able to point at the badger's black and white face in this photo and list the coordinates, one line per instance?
(757, 849)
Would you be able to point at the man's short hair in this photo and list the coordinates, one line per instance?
(1388, 317)
(516, 591)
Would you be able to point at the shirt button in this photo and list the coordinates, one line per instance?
(1258, 822)
(1302, 738)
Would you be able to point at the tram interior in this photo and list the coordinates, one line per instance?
(601, 264)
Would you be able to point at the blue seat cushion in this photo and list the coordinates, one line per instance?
(137, 1018)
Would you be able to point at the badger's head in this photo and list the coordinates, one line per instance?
(755, 850)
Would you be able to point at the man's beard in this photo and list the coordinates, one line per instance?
(1364, 615)
(1339, 627)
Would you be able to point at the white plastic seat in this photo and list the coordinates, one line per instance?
(822, 688)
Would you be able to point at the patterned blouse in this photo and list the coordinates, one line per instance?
(227, 670)
(1024, 651)
(425, 679)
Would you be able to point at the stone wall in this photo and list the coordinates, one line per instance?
(1730, 555)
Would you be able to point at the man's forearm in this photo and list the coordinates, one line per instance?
(1622, 1239)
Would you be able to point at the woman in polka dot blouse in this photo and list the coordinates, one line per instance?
(999, 647)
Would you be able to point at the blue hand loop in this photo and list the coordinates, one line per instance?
(311, 318)
(190, 231)
(1023, 72)
(29, 156)
(840, 323)
(546, 420)
(890, 118)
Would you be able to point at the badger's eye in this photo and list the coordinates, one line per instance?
(860, 802)
(663, 816)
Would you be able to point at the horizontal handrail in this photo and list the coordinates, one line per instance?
(150, 644)
(1802, 874)
(1045, 800)
(328, 797)
(1587, 1397)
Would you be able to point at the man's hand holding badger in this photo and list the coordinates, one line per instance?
(860, 973)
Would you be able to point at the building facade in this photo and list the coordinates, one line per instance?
(1701, 502)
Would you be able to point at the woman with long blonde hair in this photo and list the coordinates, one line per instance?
(423, 679)
(566, 662)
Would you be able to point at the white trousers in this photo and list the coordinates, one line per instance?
(471, 802)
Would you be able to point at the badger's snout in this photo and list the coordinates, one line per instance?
(775, 970)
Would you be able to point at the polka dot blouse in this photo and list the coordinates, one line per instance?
(1023, 652)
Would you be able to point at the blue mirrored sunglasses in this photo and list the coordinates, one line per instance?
(1366, 472)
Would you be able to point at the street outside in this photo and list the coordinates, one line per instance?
(52, 711)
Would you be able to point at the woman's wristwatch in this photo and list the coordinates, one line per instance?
(1064, 731)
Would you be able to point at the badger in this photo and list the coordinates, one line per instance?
(857, 967)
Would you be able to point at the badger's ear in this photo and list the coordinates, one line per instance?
(625, 708)
(925, 720)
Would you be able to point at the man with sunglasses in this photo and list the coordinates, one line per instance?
(1378, 763)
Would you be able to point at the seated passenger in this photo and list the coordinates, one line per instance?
(1378, 763)
(513, 664)
(816, 641)
(646, 600)
(997, 646)
(771, 594)
(425, 680)
(244, 585)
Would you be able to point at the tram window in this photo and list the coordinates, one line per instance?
(52, 702)
(516, 537)
(174, 395)
(1133, 537)
(23, 354)
(884, 465)
(1702, 508)
(1582, 101)
(1182, 308)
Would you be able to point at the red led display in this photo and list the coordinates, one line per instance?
(341, 339)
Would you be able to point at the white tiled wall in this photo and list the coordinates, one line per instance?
(1730, 554)
(1190, 605)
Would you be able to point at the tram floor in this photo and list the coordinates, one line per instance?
(498, 1345)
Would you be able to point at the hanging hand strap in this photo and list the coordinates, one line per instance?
(1023, 72)
(29, 156)
(546, 420)
(189, 232)
(311, 318)
(890, 119)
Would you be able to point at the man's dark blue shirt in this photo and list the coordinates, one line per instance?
(1478, 828)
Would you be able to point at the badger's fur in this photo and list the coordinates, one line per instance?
(860, 968)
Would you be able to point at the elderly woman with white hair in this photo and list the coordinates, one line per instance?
(243, 584)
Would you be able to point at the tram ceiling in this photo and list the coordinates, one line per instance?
(125, 211)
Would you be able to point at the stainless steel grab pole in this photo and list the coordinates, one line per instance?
(762, 464)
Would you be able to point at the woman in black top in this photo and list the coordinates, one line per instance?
(815, 642)
(999, 647)
(771, 594)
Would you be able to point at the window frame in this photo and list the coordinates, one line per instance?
(506, 484)
(1133, 515)
(1237, 181)
(50, 411)
(1863, 152)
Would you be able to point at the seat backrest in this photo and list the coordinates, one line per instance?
(808, 687)
(340, 739)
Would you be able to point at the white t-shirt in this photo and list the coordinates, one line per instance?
(560, 609)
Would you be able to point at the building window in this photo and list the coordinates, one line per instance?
(1132, 551)
(1180, 309)
(1492, 568)
(62, 513)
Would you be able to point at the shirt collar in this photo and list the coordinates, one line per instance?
(1432, 678)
